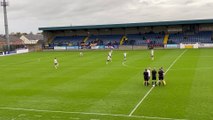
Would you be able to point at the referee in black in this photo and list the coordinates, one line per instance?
(161, 76)
(146, 77)
(154, 77)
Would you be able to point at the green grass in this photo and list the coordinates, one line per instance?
(32, 89)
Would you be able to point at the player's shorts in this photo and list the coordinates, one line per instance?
(55, 63)
(154, 78)
(146, 78)
(160, 78)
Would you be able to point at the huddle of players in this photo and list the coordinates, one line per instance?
(148, 73)
(109, 57)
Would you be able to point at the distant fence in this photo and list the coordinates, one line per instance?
(170, 46)
(134, 47)
(17, 51)
(207, 45)
(117, 47)
(189, 45)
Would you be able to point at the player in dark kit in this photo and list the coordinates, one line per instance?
(154, 77)
(146, 77)
(161, 76)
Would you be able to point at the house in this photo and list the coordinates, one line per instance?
(33, 41)
(14, 41)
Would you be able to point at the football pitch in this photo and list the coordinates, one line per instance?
(86, 88)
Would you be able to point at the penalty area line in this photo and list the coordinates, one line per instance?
(87, 113)
(140, 102)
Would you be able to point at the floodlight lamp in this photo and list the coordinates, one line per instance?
(4, 3)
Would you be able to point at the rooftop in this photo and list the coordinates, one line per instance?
(129, 25)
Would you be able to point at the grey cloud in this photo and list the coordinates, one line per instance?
(28, 15)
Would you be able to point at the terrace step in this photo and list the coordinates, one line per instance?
(166, 38)
(122, 40)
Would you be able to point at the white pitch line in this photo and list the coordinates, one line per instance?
(123, 63)
(136, 107)
(175, 61)
(74, 118)
(21, 115)
(38, 116)
(85, 113)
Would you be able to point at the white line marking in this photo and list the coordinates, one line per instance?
(175, 61)
(123, 63)
(38, 116)
(21, 115)
(85, 113)
(74, 118)
(55, 117)
(136, 107)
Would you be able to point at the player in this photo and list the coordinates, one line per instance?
(146, 77)
(108, 59)
(161, 77)
(110, 55)
(56, 64)
(154, 77)
(81, 54)
(152, 53)
(149, 73)
(111, 51)
(125, 56)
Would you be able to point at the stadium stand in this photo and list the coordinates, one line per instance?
(166, 38)
(105, 39)
(128, 34)
(144, 39)
(156, 39)
(68, 40)
(201, 37)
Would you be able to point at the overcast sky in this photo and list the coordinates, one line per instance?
(28, 15)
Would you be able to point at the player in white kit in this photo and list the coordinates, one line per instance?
(149, 73)
(125, 56)
(56, 64)
(81, 54)
(110, 55)
(152, 54)
(108, 59)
